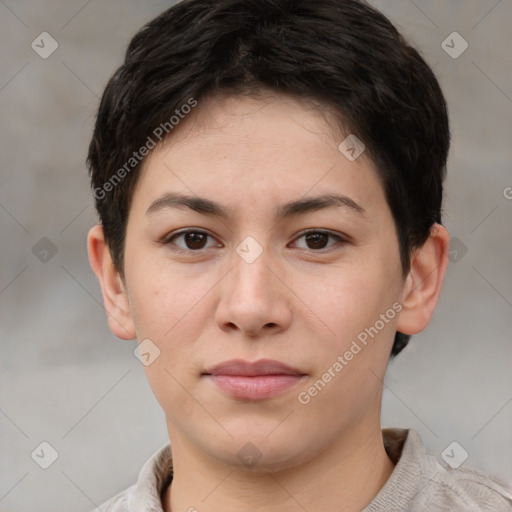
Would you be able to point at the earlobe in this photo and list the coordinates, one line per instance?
(423, 284)
(115, 297)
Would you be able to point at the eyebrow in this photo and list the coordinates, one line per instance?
(293, 208)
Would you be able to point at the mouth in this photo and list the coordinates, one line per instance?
(257, 380)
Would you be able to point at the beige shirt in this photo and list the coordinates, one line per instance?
(419, 483)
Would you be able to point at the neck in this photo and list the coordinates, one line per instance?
(344, 478)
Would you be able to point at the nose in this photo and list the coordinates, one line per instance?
(255, 300)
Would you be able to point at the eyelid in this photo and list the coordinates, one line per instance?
(167, 238)
(343, 239)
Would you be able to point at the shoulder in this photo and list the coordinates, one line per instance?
(118, 503)
(144, 495)
(420, 482)
(466, 488)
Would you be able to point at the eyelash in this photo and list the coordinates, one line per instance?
(168, 240)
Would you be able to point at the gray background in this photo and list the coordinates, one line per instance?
(67, 380)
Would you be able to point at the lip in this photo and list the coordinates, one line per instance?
(258, 380)
(252, 369)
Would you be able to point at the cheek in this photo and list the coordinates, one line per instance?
(167, 309)
(349, 300)
(164, 298)
(350, 363)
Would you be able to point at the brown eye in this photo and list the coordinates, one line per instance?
(195, 240)
(318, 240)
(192, 240)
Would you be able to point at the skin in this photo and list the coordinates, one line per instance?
(297, 303)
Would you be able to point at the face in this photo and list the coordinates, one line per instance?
(296, 262)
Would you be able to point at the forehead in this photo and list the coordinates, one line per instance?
(257, 115)
(278, 146)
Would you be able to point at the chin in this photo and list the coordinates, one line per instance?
(258, 452)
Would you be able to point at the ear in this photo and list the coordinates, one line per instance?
(424, 282)
(115, 297)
